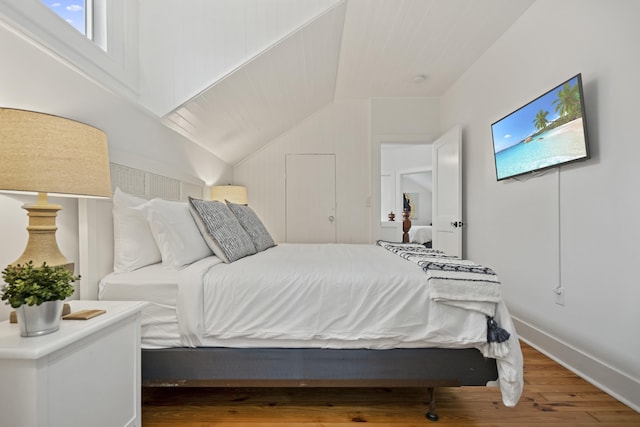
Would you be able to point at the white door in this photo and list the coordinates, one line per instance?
(447, 194)
(311, 198)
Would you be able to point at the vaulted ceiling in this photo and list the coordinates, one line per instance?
(357, 49)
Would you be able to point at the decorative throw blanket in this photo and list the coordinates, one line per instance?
(457, 282)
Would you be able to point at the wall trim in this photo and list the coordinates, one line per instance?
(607, 378)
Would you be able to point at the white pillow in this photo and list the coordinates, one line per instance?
(176, 234)
(133, 244)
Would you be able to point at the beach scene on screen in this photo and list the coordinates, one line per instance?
(543, 133)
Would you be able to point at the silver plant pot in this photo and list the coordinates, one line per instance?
(36, 320)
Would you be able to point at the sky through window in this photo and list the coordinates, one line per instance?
(72, 11)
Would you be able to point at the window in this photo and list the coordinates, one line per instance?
(75, 12)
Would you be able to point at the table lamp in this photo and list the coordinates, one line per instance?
(41, 153)
(233, 193)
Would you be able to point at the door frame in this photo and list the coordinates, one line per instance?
(376, 170)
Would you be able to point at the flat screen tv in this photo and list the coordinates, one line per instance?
(549, 131)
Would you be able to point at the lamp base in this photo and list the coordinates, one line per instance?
(42, 245)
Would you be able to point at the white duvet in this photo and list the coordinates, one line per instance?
(331, 296)
(420, 233)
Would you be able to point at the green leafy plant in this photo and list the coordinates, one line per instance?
(30, 285)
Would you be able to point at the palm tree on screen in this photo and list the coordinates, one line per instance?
(540, 122)
(568, 101)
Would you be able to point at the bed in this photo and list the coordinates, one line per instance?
(332, 315)
(420, 234)
(411, 233)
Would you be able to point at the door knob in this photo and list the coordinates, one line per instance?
(457, 224)
(331, 218)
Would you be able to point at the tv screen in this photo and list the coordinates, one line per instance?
(549, 131)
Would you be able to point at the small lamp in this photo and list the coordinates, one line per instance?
(233, 193)
(42, 153)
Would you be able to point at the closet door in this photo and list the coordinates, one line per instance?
(311, 198)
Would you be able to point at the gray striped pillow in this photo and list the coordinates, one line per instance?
(252, 225)
(221, 230)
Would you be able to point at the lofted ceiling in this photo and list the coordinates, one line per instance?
(357, 49)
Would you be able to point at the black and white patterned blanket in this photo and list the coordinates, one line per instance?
(452, 280)
(457, 282)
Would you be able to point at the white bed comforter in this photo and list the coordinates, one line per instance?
(331, 296)
(420, 234)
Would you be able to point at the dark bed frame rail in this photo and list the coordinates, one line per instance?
(310, 367)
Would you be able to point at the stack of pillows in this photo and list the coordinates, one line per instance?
(177, 234)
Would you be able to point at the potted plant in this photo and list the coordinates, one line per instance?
(37, 294)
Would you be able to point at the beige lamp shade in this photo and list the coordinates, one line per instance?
(233, 193)
(47, 154)
(44, 153)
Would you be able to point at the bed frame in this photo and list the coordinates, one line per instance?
(266, 367)
(311, 367)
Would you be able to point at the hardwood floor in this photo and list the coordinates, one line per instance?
(552, 395)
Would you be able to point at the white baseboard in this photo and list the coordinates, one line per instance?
(607, 378)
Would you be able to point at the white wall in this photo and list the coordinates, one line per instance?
(578, 226)
(398, 156)
(340, 128)
(33, 79)
(405, 116)
(348, 129)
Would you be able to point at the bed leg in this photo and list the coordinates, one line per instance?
(431, 395)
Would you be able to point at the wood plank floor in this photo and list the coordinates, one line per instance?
(552, 395)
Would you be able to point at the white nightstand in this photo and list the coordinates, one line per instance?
(85, 374)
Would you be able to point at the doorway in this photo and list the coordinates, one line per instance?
(405, 167)
(446, 161)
